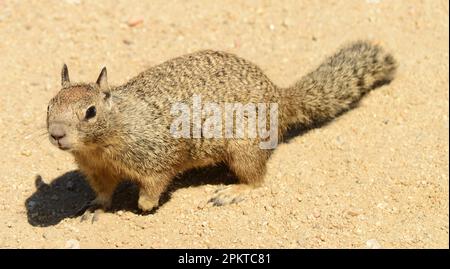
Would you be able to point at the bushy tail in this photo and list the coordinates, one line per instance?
(337, 83)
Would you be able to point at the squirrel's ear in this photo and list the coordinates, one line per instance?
(65, 76)
(102, 80)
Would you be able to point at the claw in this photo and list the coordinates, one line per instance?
(216, 201)
(83, 209)
(227, 195)
(93, 215)
(91, 210)
(85, 216)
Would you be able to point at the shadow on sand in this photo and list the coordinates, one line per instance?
(67, 194)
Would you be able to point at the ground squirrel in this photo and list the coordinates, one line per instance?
(124, 132)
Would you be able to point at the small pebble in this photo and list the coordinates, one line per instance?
(316, 214)
(286, 23)
(72, 244)
(134, 22)
(26, 153)
(353, 213)
(73, 2)
(373, 244)
(236, 43)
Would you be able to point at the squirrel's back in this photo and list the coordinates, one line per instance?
(216, 76)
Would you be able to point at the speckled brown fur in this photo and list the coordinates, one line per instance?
(129, 137)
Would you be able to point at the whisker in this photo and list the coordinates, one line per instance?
(35, 137)
(38, 140)
(35, 134)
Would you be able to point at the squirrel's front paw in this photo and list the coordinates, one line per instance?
(92, 214)
(94, 208)
(147, 203)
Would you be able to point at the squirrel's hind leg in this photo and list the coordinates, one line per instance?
(248, 162)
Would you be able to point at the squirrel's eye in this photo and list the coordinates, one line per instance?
(91, 112)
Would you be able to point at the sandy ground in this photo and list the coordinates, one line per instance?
(376, 176)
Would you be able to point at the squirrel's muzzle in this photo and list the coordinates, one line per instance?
(58, 136)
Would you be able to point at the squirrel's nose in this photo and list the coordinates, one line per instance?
(57, 137)
(57, 132)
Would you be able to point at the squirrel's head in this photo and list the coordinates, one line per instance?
(77, 115)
